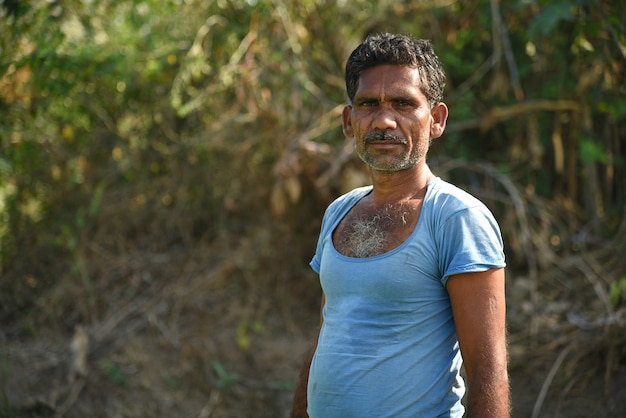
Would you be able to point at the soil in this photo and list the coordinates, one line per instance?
(204, 339)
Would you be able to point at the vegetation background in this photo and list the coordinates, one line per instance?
(164, 166)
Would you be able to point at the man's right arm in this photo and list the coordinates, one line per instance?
(299, 407)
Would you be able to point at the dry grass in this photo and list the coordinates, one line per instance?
(218, 328)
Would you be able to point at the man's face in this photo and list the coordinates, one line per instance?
(391, 119)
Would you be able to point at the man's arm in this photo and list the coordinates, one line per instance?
(299, 407)
(479, 309)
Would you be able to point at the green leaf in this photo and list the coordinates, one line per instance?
(549, 18)
(617, 291)
(224, 378)
(113, 373)
(592, 152)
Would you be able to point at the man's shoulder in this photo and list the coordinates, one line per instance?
(449, 196)
(342, 204)
(351, 197)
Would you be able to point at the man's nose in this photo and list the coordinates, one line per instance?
(384, 119)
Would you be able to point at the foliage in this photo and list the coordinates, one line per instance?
(224, 378)
(134, 129)
(113, 373)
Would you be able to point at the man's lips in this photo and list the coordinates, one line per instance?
(383, 144)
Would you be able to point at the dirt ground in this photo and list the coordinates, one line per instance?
(205, 339)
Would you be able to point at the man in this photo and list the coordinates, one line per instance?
(411, 268)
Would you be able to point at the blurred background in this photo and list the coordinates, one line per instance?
(164, 167)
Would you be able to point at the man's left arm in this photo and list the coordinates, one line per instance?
(479, 309)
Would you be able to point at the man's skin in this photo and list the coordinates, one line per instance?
(389, 99)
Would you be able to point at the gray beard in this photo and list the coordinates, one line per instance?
(405, 162)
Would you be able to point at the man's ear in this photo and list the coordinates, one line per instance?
(346, 118)
(439, 113)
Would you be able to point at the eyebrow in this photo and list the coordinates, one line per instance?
(394, 99)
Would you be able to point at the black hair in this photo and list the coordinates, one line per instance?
(394, 49)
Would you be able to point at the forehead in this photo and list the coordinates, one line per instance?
(389, 79)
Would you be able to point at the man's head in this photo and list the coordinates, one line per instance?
(398, 50)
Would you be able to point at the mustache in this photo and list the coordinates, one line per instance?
(384, 136)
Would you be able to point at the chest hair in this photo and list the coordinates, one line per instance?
(367, 232)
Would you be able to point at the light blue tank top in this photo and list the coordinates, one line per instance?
(388, 346)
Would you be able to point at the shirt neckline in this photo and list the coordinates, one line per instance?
(399, 248)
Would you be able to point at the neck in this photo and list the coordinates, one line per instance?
(400, 186)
